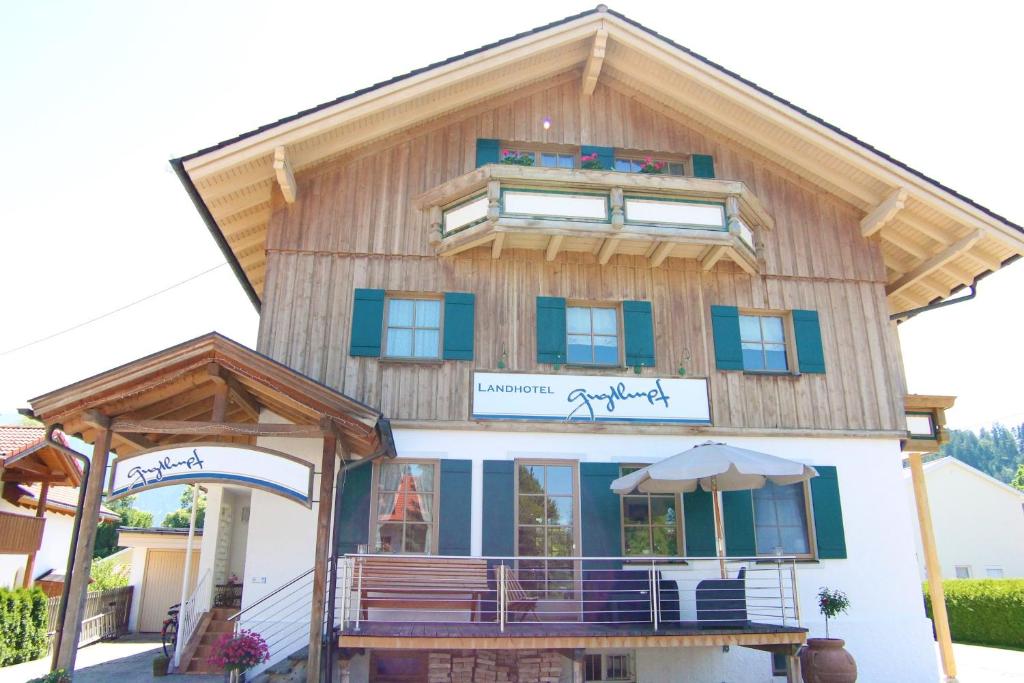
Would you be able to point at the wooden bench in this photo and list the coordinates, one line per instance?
(397, 582)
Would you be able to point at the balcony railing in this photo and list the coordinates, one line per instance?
(499, 595)
(602, 212)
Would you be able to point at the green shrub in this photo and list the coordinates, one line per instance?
(22, 625)
(984, 611)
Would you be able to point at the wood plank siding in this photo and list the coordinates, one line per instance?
(354, 225)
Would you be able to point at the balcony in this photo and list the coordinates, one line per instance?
(20, 534)
(595, 211)
(421, 602)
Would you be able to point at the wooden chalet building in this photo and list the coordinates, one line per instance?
(535, 266)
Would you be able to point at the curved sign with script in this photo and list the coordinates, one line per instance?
(260, 468)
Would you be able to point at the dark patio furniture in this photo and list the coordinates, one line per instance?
(722, 603)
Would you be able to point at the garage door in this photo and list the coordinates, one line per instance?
(161, 586)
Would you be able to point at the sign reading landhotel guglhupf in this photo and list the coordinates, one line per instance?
(262, 468)
(586, 398)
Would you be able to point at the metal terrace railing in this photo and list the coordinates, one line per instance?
(503, 593)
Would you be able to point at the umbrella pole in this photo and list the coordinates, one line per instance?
(719, 533)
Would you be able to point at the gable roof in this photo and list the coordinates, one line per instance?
(949, 462)
(934, 240)
(28, 458)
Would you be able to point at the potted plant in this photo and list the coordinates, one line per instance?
(653, 167)
(160, 664)
(591, 162)
(824, 660)
(238, 652)
(514, 158)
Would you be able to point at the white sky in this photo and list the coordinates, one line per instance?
(98, 96)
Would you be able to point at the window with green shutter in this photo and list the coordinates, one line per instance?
(488, 151)
(413, 327)
(599, 508)
(829, 532)
(499, 514)
(809, 352)
(699, 524)
(454, 518)
(638, 328)
(459, 316)
(367, 322)
(651, 523)
(353, 520)
(725, 327)
(703, 166)
(550, 329)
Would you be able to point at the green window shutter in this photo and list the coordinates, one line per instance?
(455, 514)
(703, 166)
(487, 151)
(809, 353)
(601, 510)
(499, 517)
(828, 514)
(367, 322)
(353, 508)
(638, 324)
(699, 524)
(738, 524)
(550, 329)
(458, 325)
(605, 155)
(725, 326)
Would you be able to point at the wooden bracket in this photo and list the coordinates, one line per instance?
(285, 175)
(933, 263)
(713, 256)
(592, 70)
(554, 244)
(660, 254)
(882, 214)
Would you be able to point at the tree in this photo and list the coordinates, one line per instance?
(1018, 479)
(106, 533)
(106, 574)
(994, 450)
(179, 518)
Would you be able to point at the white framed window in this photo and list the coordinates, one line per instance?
(412, 328)
(612, 666)
(545, 158)
(592, 335)
(781, 520)
(963, 571)
(406, 507)
(633, 164)
(994, 572)
(763, 339)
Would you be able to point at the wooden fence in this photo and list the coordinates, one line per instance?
(106, 615)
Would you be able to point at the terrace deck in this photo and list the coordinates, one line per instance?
(547, 635)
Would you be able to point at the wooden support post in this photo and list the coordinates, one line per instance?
(321, 554)
(579, 673)
(931, 563)
(793, 668)
(30, 562)
(79, 586)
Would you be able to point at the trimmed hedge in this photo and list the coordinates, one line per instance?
(984, 611)
(23, 623)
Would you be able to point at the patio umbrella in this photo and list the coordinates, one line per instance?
(713, 467)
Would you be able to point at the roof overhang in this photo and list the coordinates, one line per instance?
(934, 241)
(182, 384)
(40, 462)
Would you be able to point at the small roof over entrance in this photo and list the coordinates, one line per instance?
(27, 458)
(174, 396)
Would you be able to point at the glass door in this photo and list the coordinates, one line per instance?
(546, 504)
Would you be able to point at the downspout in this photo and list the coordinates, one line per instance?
(62, 609)
(907, 315)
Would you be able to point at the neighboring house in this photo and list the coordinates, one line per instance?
(157, 566)
(978, 522)
(27, 460)
(518, 335)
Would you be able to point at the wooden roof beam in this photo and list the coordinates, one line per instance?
(932, 264)
(592, 71)
(882, 214)
(660, 253)
(607, 250)
(906, 244)
(712, 256)
(238, 394)
(554, 244)
(285, 175)
(497, 244)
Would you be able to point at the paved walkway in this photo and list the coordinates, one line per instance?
(126, 660)
(976, 664)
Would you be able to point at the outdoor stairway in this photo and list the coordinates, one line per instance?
(195, 658)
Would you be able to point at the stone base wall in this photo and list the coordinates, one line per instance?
(495, 666)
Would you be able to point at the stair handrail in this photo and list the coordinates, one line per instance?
(191, 613)
(271, 594)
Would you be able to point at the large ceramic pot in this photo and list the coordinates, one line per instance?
(824, 660)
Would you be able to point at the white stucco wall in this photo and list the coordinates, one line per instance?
(978, 522)
(53, 553)
(886, 629)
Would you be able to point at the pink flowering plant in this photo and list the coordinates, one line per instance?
(832, 602)
(652, 166)
(590, 162)
(240, 651)
(510, 156)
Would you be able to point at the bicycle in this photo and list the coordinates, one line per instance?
(169, 632)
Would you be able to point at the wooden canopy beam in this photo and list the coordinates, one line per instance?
(607, 251)
(127, 425)
(933, 263)
(554, 244)
(592, 70)
(661, 253)
(497, 244)
(713, 256)
(878, 217)
(285, 175)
